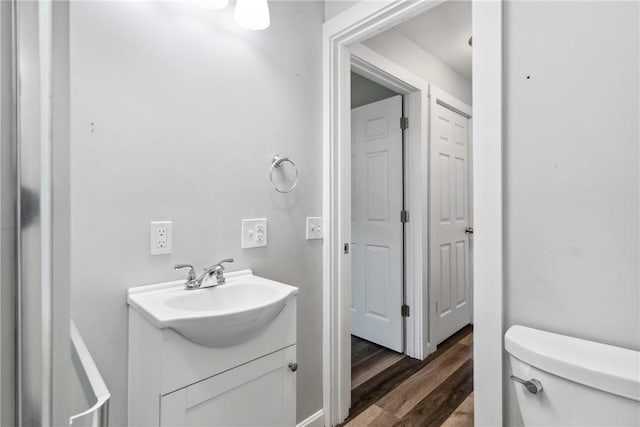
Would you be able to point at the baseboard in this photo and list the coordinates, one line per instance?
(314, 420)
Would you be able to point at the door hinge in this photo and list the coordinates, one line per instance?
(404, 123)
(404, 216)
(346, 248)
(405, 310)
(436, 306)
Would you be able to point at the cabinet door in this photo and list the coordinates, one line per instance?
(258, 393)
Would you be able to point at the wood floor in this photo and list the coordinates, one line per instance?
(391, 389)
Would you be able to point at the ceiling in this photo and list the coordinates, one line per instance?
(444, 32)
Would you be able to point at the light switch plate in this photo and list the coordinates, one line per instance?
(315, 227)
(160, 237)
(254, 233)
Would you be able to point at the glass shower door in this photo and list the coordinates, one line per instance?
(48, 375)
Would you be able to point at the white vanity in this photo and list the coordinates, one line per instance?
(216, 356)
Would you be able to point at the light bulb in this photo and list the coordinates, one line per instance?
(212, 4)
(252, 14)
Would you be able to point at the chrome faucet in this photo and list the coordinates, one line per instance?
(194, 282)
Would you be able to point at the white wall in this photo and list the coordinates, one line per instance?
(365, 91)
(336, 7)
(399, 49)
(572, 159)
(188, 110)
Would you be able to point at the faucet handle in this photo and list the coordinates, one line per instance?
(191, 276)
(218, 270)
(226, 260)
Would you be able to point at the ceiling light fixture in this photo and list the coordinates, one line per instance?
(252, 14)
(212, 4)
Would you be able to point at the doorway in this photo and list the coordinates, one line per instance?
(376, 130)
(397, 321)
(446, 239)
(385, 287)
(446, 373)
(377, 229)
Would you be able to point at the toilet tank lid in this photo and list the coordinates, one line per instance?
(612, 369)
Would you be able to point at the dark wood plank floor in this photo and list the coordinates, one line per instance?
(391, 389)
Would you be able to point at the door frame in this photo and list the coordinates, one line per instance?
(340, 34)
(442, 98)
(415, 91)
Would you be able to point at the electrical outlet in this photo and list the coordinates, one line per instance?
(314, 228)
(160, 237)
(254, 233)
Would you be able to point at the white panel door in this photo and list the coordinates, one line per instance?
(376, 227)
(450, 264)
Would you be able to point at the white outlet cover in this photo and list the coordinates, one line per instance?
(254, 233)
(160, 237)
(315, 227)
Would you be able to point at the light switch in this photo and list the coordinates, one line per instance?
(315, 228)
(254, 233)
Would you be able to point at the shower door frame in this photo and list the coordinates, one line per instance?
(41, 119)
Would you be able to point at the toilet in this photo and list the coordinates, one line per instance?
(577, 382)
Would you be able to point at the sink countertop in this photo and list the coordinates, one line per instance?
(169, 305)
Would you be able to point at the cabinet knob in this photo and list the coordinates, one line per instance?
(293, 366)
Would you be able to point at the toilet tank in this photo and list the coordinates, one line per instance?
(584, 383)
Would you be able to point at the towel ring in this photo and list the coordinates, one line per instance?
(277, 162)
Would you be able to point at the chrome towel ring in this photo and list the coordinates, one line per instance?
(276, 162)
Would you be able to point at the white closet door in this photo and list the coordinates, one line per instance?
(450, 264)
(376, 229)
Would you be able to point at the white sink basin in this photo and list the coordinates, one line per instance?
(221, 316)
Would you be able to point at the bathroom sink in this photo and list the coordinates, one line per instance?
(237, 297)
(220, 316)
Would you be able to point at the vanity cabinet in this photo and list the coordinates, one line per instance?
(258, 393)
(175, 382)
